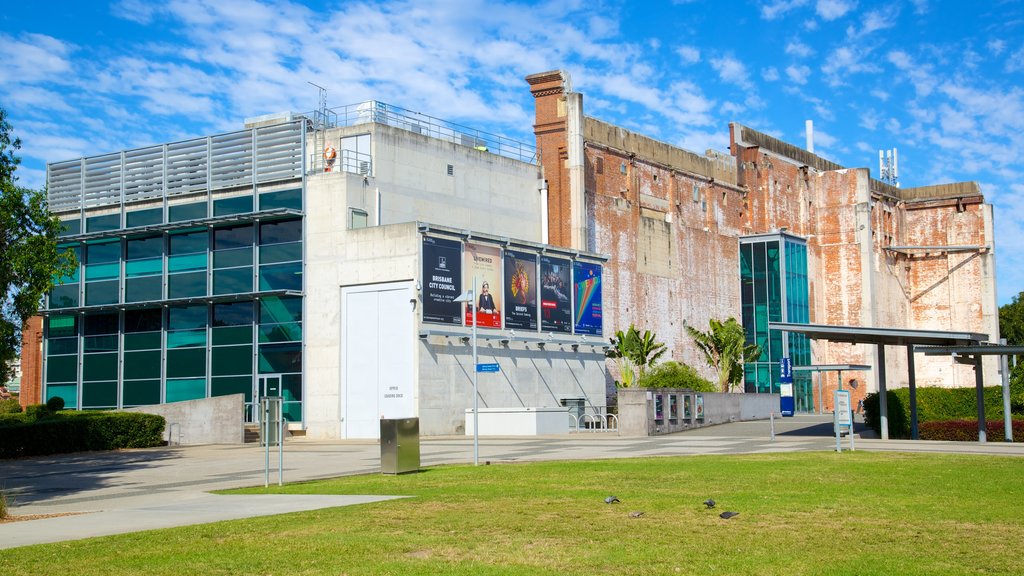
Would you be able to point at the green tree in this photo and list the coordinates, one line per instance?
(633, 349)
(29, 259)
(725, 349)
(1011, 321)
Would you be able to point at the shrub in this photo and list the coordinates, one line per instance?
(10, 406)
(676, 375)
(939, 404)
(967, 430)
(29, 435)
(37, 411)
(55, 404)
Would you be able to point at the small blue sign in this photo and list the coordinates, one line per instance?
(785, 370)
(487, 367)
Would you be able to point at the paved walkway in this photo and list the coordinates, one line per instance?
(131, 490)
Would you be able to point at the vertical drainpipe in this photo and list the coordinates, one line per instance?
(574, 144)
(544, 211)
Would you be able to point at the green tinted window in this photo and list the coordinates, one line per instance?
(281, 253)
(103, 223)
(186, 389)
(97, 324)
(139, 365)
(147, 267)
(68, 393)
(64, 296)
(61, 369)
(106, 271)
(142, 341)
(186, 338)
(232, 258)
(58, 326)
(99, 394)
(289, 332)
(230, 237)
(232, 335)
(98, 367)
(280, 309)
(186, 362)
(231, 360)
(144, 289)
(183, 317)
(281, 199)
(71, 227)
(233, 313)
(280, 358)
(183, 212)
(144, 320)
(232, 281)
(291, 387)
(186, 262)
(145, 247)
(292, 411)
(140, 392)
(225, 385)
(189, 242)
(100, 343)
(57, 346)
(106, 251)
(281, 277)
(237, 205)
(99, 293)
(148, 217)
(186, 285)
(280, 231)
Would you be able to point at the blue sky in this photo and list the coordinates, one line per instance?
(939, 80)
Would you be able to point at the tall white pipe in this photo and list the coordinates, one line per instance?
(544, 211)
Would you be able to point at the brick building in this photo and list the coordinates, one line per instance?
(771, 232)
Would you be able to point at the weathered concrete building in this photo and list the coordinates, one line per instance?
(686, 234)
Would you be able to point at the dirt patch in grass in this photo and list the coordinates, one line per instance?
(25, 517)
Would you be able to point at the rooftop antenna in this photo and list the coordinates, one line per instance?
(888, 167)
(320, 115)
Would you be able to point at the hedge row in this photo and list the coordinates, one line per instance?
(38, 432)
(967, 430)
(940, 404)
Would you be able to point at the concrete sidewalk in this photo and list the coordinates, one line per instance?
(131, 490)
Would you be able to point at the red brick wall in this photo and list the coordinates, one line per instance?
(32, 361)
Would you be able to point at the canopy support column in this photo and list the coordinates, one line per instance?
(911, 373)
(883, 404)
(979, 384)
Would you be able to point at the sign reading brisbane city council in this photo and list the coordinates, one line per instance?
(555, 307)
(520, 290)
(442, 280)
(587, 297)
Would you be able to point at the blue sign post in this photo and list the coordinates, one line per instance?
(787, 404)
(487, 367)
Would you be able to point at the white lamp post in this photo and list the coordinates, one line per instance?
(468, 297)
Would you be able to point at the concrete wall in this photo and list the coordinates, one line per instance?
(216, 420)
(530, 377)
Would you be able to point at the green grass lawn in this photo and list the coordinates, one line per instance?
(801, 513)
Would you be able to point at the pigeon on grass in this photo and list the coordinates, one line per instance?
(611, 500)
(636, 514)
(727, 515)
(709, 503)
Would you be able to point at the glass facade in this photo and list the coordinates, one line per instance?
(773, 288)
(179, 311)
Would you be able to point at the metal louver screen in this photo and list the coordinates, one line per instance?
(270, 153)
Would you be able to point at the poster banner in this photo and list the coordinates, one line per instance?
(484, 263)
(520, 290)
(555, 307)
(442, 280)
(587, 297)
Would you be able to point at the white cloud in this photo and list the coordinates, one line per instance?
(996, 46)
(798, 74)
(1015, 61)
(875, 20)
(688, 54)
(732, 71)
(880, 94)
(845, 61)
(799, 49)
(774, 9)
(920, 75)
(833, 9)
(33, 58)
(770, 74)
(869, 119)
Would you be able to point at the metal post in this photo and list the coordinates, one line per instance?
(912, 375)
(280, 444)
(821, 401)
(476, 395)
(883, 404)
(771, 417)
(1004, 367)
(265, 425)
(979, 385)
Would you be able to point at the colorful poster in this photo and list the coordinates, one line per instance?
(484, 264)
(442, 280)
(555, 307)
(520, 290)
(587, 297)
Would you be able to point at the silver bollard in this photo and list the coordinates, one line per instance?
(771, 417)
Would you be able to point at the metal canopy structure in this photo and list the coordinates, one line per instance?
(882, 337)
(972, 355)
(840, 368)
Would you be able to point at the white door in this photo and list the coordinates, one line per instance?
(377, 345)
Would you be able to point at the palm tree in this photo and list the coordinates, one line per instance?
(725, 349)
(634, 349)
